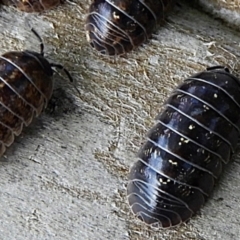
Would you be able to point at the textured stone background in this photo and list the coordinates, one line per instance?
(227, 10)
(65, 176)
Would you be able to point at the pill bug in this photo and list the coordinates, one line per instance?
(26, 86)
(114, 27)
(33, 5)
(195, 135)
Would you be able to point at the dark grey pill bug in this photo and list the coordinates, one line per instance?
(26, 85)
(185, 152)
(115, 27)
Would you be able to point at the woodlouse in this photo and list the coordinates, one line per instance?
(33, 5)
(114, 27)
(195, 134)
(26, 86)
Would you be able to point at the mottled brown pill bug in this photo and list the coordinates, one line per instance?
(26, 86)
(33, 5)
(195, 135)
(114, 27)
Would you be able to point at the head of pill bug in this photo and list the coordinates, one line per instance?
(45, 64)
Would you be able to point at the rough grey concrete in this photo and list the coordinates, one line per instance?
(226, 10)
(65, 176)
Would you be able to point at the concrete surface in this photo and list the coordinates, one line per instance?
(226, 10)
(65, 176)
